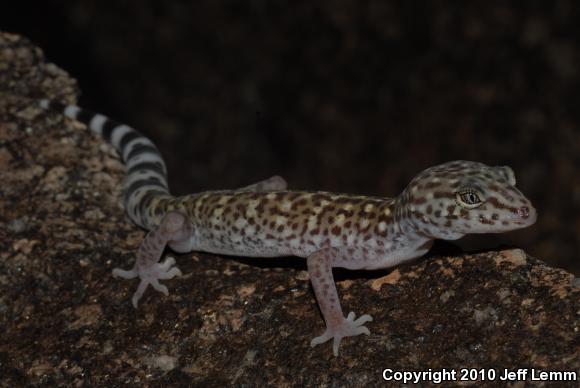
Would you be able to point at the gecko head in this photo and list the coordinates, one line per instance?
(456, 198)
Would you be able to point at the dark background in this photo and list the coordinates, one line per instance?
(351, 96)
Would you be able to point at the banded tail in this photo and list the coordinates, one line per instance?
(146, 172)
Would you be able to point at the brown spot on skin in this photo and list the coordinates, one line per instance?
(437, 213)
(484, 220)
(335, 230)
(317, 199)
(378, 232)
(274, 210)
(280, 228)
(260, 206)
(315, 231)
(498, 205)
(448, 223)
(345, 213)
(295, 226)
(301, 202)
(429, 209)
(348, 224)
(495, 216)
(419, 200)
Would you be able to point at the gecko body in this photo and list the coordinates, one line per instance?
(265, 219)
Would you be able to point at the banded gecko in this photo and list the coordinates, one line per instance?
(264, 219)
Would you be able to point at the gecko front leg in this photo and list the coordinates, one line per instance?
(320, 266)
(174, 229)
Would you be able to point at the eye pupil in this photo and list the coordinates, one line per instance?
(469, 198)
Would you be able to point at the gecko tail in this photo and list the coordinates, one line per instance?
(146, 178)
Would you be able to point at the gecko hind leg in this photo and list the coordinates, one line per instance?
(274, 183)
(174, 229)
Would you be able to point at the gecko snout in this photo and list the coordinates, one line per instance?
(527, 215)
(524, 212)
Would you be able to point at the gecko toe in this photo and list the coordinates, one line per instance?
(363, 319)
(166, 264)
(139, 292)
(321, 338)
(125, 274)
(159, 287)
(348, 327)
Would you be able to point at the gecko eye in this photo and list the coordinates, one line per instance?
(469, 198)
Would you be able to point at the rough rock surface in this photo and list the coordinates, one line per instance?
(64, 321)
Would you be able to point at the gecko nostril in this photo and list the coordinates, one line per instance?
(524, 212)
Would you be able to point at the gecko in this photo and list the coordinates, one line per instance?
(329, 230)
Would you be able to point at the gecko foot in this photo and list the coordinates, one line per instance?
(149, 276)
(348, 327)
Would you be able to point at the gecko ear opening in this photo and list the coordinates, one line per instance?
(508, 174)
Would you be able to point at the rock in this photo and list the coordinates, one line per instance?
(65, 321)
